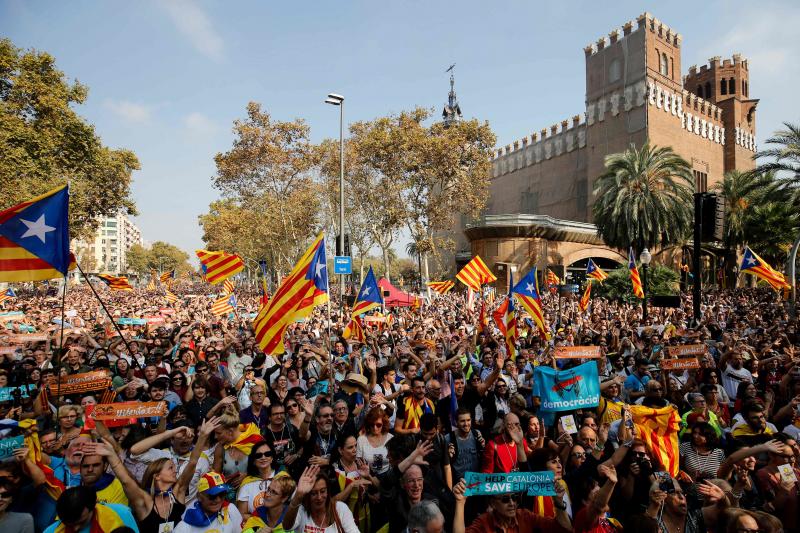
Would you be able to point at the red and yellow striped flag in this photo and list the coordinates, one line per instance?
(552, 279)
(224, 306)
(753, 264)
(594, 271)
(219, 265)
(304, 288)
(170, 296)
(475, 273)
(659, 428)
(442, 287)
(638, 291)
(116, 283)
(587, 294)
(355, 331)
(228, 286)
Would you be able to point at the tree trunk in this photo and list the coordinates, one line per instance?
(425, 274)
(385, 252)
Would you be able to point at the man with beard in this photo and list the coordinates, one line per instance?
(755, 429)
(95, 476)
(283, 438)
(467, 396)
(318, 448)
(733, 373)
(411, 408)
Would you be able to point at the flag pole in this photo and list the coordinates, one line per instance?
(63, 305)
(113, 323)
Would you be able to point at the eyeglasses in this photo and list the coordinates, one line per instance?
(378, 425)
(215, 496)
(202, 370)
(5, 496)
(259, 455)
(257, 393)
(248, 369)
(291, 405)
(580, 455)
(340, 409)
(509, 498)
(326, 415)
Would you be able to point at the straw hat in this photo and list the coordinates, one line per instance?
(355, 382)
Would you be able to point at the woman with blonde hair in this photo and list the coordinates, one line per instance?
(68, 428)
(271, 513)
(161, 500)
(235, 441)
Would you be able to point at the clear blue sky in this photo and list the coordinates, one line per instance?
(167, 78)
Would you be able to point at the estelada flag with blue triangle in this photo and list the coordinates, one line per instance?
(34, 238)
(527, 293)
(753, 264)
(7, 295)
(594, 271)
(369, 296)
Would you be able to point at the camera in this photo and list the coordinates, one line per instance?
(666, 484)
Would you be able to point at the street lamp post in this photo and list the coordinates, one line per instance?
(338, 100)
(645, 258)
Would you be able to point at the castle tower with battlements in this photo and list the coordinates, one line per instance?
(539, 208)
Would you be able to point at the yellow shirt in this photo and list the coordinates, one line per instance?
(609, 411)
(113, 493)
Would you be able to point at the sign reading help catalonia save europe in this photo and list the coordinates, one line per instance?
(532, 483)
(565, 390)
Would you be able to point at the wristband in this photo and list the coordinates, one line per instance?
(560, 507)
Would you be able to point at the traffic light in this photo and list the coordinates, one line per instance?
(346, 245)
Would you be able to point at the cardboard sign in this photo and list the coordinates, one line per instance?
(80, 383)
(787, 473)
(680, 364)
(7, 350)
(154, 319)
(22, 339)
(532, 483)
(568, 423)
(577, 352)
(124, 410)
(7, 446)
(687, 349)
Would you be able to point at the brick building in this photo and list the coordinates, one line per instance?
(539, 209)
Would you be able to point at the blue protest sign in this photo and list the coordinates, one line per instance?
(565, 390)
(7, 446)
(532, 483)
(7, 393)
(342, 264)
(128, 321)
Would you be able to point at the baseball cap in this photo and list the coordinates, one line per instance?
(212, 483)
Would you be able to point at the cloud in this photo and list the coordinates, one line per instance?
(190, 19)
(199, 124)
(128, 111)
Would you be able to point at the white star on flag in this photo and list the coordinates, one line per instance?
(529, 288)
(319, 268)
(365, 292)
(751, 260)
(37, 229)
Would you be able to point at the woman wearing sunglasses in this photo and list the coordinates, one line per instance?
(260, 473)
(179, 385)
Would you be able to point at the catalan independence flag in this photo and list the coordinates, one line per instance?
(228, 286)
(167, 276)
(170, 296)
(224, 305)
(369, 296)
(441, 287)
(304, 288)
(638, 291)
(475, 273)
(659, 428)
(116, 283)
(753, 264)
(355, 330)
(595, 272)
(34, 238)
(527, 293)
(583, 305)
(219, 266)
(7, 295)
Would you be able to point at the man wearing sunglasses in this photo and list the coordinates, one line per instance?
(211, 512)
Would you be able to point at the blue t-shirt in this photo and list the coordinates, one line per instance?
(45, 511)
(634, 383)
(123, 512)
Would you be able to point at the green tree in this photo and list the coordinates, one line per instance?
(661, 281)
(784, 158)
(45, 143)
(644, 198)
(161, 257)
(138, 258)
(771, 228)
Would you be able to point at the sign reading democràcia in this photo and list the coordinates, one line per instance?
(565, 390)
(532, 483)
(7, 446)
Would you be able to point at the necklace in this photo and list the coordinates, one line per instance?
(512, 458)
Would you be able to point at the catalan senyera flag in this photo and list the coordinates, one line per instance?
(52, 486)
(151, 286)
(369, 296)
(441, 287)
(638, 291)
(527, 292)
(7, 295)
(304, 288)
(659, 428)
(594, 271)
(583, 305)
(475, 273)
(116, 283)
(225, 305)
(167, 276)
(354, 330)
(552, 279)
(219, 266)
(34, 238)
(753, 264)
(510, 322)
(264, 299)
(228, 286)
(170, 296)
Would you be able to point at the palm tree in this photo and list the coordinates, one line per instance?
(644, 198)
(785, 158)
(771, 228)
(412, 250)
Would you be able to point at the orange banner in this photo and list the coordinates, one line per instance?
(680, 364)
(80, 383)
(20, 338)
(686, 349)
(116, 411)
(577, 352)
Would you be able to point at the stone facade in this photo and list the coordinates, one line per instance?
(634, 93)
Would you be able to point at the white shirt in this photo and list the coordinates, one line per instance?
(304, 524)
(732, 377)
(233, 524)
(254, 493)
(203, 466)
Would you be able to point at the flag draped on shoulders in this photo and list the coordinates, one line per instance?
(441, 287)
(587, 294)
(527, 292)
(116, 283)
(594, 271)
(304, 288)
(249, 435)
(369, 296)
(34, 238)
(219, 266)
(636, 281)
(753, 264)
(659, 428)
(355, 330)
(475, 273)
(52, 486)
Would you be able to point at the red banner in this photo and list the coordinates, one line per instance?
(80, 383)
(687, 349)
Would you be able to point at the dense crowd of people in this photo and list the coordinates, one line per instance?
(337, 436)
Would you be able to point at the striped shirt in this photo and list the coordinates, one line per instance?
(700, 466)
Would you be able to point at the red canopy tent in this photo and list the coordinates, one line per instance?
(396, 297)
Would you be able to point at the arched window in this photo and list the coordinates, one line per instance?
(664, 67)
(708, 90)
(732, 86)
(723, 86)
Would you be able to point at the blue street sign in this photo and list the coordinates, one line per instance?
(342, 264)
